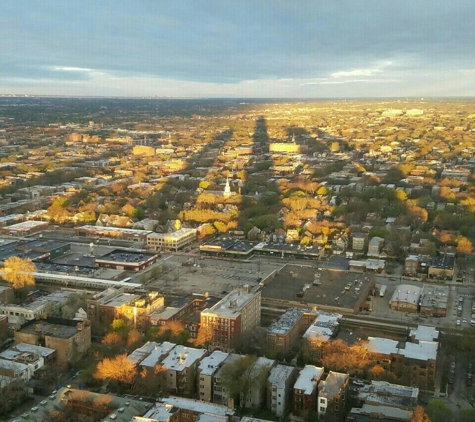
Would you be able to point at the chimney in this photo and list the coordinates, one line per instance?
(80, 326)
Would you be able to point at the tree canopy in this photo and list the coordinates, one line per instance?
(19, 272)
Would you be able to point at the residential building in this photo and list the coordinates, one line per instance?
(279, 388)
(442, 267)
(375, 246)
(171, 241)
(410, 265)
(382, 393)
(181, 369)
(284, 333)
(71, 339)
(359, 241)
(332, 394)
(151, 354)
(372, 413)
(112, 304)
(258, 371)
(15, 370)
(207, 368)
(220, 393)
(237, 313)
(305, 389)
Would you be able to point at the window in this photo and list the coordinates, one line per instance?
(322, 401)
(322, 409)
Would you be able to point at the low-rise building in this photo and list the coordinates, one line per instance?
(279, 388)
(207, 368)
(382, 393)
(434, 300)
(71, 339)
(220, 392)
(410, 265)
(171, 241)
(405, 298)
(284, 333)
(305, 389)
(258, 372)
(181, 369)
(112, 304)
(442, 267)
(332, 394)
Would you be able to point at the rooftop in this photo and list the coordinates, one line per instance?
(424, 350)
(324, 326)
(332, 385)
(182, 357)
(210, 364)
(279, 375)
(425, 333)
(286, 321)
(308, 379)
(198, 406)
(158, 354)
(381, 345)
(232, 303)
(406, 293)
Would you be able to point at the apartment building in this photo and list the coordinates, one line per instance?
(151, 354)
(332, 394)
(284, 333)
(171, 241)
(181, 369)
(112, 304)
(71, 339)
(305, 389)
(279, 388)
(207, 369)
(258, 372)
(235, 314)
(220, 394)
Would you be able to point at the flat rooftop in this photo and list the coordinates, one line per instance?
(121, 256)
(198, 406)
(210, 364)
(279, 375)
(308, 378)
(120, 299)
(232, 303)
(110, 230)
(182, 357)
(286, 321)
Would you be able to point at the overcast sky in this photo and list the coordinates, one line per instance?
(238, 48)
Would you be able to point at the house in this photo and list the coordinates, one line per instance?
(279, 388)
(305, 389)
(332, 394)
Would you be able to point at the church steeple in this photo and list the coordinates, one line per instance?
(227, 188)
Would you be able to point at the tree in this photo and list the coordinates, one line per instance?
(419, 415)
(118, 368)
(112, 339)
(464, 245)
(19, 272)
(438, 411)
(133, 337)
(57, 211)
(205, 336)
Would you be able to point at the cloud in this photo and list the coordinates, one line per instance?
(226, 44)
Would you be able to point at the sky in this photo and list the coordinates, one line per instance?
(238, 48)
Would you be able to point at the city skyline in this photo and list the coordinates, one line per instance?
(307, 49)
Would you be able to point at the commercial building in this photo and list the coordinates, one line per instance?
(279, 388)
(113, 233)
(70, 339)
(112, 304)
(405, 298)
(434, 300)
(171, 241)
(235, 314)
(305, 389)
(207, 368)
(332, 394)
(126, 260)
(181, 369)
(24, 228)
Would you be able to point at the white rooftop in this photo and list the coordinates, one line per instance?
(232, 303)
(279, 375)
(143, 351)
(286, 321)
(324, 326)
(157, 354)
(406, 293)
(423, 350)
(211, 363)
(182, 357)
(381, 345)
(198, 406)
(332, 385)
(425, 333)
(308, 378)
